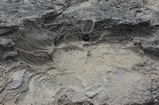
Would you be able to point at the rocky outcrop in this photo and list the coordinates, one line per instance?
(46, 61)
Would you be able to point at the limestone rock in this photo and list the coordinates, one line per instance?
(45, 60)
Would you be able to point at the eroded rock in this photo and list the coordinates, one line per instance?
(47, 60)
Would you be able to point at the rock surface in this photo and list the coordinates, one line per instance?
(44, 59)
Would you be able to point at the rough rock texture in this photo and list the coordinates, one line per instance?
(44, 60)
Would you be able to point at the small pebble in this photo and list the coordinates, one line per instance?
(118, 6)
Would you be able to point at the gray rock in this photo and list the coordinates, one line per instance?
(118, 66)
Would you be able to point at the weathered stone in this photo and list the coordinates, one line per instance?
(79, 52)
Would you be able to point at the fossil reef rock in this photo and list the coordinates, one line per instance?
(79, 52)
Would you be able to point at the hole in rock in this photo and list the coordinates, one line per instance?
(86, 38)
